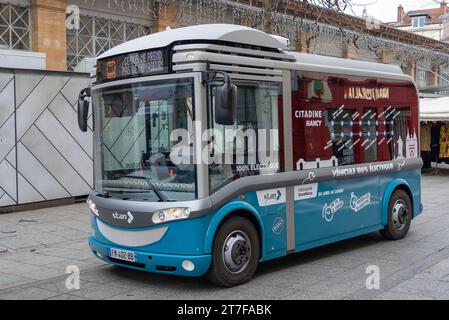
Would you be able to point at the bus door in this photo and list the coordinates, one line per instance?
(252, 147)
(331, 133)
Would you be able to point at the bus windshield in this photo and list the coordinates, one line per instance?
(134, 134)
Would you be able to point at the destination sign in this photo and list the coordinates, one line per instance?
(133, 65)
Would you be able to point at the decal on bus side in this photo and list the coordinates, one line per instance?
(329, 210)
(358, 203)
(278, 226)
(307, 191)
(271, 197)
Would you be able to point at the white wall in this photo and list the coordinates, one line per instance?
(43, 154)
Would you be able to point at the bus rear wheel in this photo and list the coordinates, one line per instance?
(235, 254)
(399, 216)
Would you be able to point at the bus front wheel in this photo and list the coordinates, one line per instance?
(399, 216)
(235, 254)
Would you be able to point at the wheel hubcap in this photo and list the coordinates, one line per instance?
(400, 214)
(237, 251)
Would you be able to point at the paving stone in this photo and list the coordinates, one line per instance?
(414, 268)
(31, 293)
(419, 293)
(310, 295)
(18, 268)
(99, 292)
(296, 281)
(264, 291)
(390, 295)
(64, 297)
(136, 295)
(431, 285)
(337, 286)
(105, 275)
(59, 285)
(10, 280)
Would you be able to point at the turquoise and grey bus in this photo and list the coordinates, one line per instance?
(217, 148)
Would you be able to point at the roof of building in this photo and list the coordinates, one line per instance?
(212, 32)
(434, 15)
(419, 14)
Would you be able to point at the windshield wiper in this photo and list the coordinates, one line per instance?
(158, 192)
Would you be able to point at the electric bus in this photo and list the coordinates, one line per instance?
(217, 148)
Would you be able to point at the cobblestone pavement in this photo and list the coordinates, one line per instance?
(37, 246)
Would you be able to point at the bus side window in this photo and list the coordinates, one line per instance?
(402, 139)
(371, 135)
(323, 128)
(341, 128)
(339, 120)
(252, 145)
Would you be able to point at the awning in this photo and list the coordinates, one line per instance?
(434, 109)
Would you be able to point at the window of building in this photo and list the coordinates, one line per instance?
(423, 77)
(97, 35)
(15, 27)
(252, 145)
(418, 22)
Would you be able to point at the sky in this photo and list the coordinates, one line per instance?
(386, 10)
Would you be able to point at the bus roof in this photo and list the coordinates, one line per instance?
(228, 33)
(349, 64)
(211, 32)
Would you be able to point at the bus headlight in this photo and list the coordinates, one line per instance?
(171, 214)
(92, 206)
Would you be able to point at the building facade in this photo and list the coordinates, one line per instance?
(432, 23)
(71, 32)
(48, 47)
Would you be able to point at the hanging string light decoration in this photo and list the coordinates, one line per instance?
(191, 12)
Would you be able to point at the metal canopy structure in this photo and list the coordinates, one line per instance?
(434, 109)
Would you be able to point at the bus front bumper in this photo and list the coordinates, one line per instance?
(155, 262)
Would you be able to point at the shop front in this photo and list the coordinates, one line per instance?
(434, 118)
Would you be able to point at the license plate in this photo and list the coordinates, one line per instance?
(123, 255)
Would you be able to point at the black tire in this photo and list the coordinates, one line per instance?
(232, 231)
(399, 216)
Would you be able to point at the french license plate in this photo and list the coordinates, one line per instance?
(123, 255)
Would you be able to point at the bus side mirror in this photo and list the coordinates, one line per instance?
(83, 109)
(225, 102)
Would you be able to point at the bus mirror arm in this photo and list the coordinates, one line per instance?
(83, 108)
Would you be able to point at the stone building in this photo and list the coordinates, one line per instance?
(52, 32)
(48, 48)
